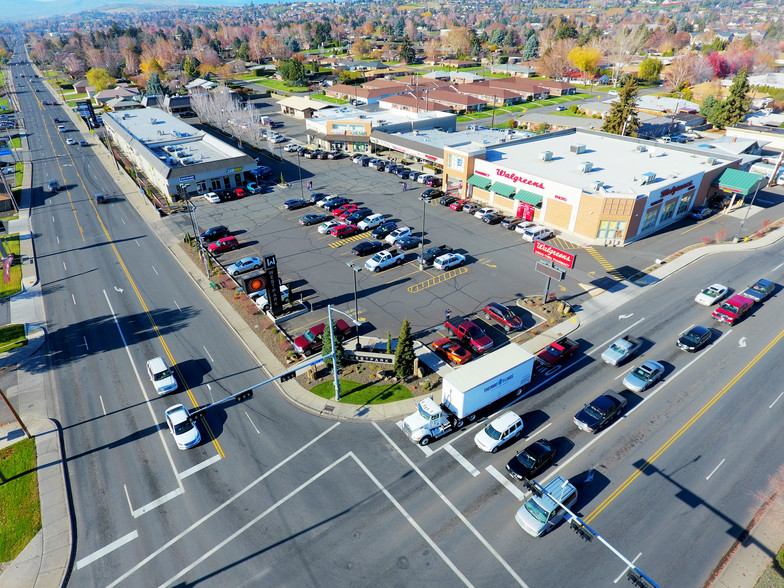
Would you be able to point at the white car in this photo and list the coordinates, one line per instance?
(279, 139)
(327, 200)
(212, 197)
(423, 178)
(524, 226)
(161, 376)
(537, 233)
(243, 265)
(711, 295)
(291, 148)
(499, 431)
(358, 157)
(397, 233)
(483, 211)
(371, 222)
(448, 261)
(70, 141)
(328, 226)
(260, 298)
(185, 433)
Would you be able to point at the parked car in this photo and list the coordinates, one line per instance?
(383, 229)
(423, 178)
(447, 199)
(317, 197)
(531, 461)
(471, 207)
(214, 233)
(403, 172)
(414, 175)
(334, 154)
(335, 203)
(304, 152)
(484, 210)
(408, 242)
(291, 148)
(253, 188)
(212, 197)
(510, 222)
(492, 218)
(694, 339)
(313, 219)
(454, 351)
(223, 245)
(321, 154)
(397, 233)
(643, 377)
(343, 212)
(431, 194)
(367, 248)
(448, 261)
(185, 433)
(295, 203)
(344, 231)
(537, 233)
(246, 264)
(433, 182)
(371, 222)
(329, 199)
(239, 193)
(429, 254)
(458, 205)
(358, 216)
(701, 212)
(328, 226)
(523, 226)
(503, 316)
(357, 158)
(311, 340)
(375, 163)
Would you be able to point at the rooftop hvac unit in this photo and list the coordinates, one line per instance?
(188, 161)
(597, 185)
(577, 148)
(545, 156)
(710, 160)
(153, 121)
(642, 148)
(170, 148)
(647, 178)
(586, 166)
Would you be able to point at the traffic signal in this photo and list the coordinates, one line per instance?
(197, 415)
(533, 487)
(240, 396)
(580, 529)
(288, 376)
(638, 580)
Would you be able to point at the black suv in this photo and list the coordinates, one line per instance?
(429, 254)
(215, 233)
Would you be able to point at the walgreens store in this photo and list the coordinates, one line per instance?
(592, 187)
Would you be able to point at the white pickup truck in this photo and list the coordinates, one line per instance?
(621, 350)
(384, 259)
(260, 298)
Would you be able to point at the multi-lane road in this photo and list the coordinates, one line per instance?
(276, 496)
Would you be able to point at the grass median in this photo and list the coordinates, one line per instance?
(20, 507)
(358, 393)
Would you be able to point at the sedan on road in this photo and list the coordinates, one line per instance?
(214, 233)
(313, 219)
(344, 231)
(185, 433)
(600, 412)
(531, 461)
(243, 265)
(295, 203)
(367, 248)
(70, 141)
(448, 261)
(452, 349)
(711, 295)
(643, 377)
(694, 338)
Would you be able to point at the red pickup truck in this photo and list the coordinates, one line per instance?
(311, 340)
(732, 310)
(557, 351)
(470, 333)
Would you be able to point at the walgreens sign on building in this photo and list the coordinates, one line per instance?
(511, 177)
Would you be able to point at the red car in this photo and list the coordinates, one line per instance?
(348, 212)
(224, 244)
(344, 231)
(453, 350)
(458, 204)
(343, 208)
(239, 192)
(503, 316)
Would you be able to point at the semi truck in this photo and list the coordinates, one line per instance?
(468, 390)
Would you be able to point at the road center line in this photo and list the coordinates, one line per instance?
(462, 460)
(252, 423)
(708, 477)
(454, 509)
(505, 482)
(86, 561)
(200, 466)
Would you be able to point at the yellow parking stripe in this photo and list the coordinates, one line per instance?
(563, 243)
(341, 242)
(437, 280)
(614, 273)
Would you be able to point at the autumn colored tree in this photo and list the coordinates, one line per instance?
(152, 66)
(555, 62)
(650, 69)
(721, 68)
(361, 47)
(585, 58)
(99, 78)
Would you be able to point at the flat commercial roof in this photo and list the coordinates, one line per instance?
(481, 138)
(617, 161)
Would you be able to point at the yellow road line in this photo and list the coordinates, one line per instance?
(609, 268)
(682, 430)
(437, 280)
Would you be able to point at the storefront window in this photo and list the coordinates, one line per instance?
(611, 229)
(455, 161)
(215, 183)
(237, 180)
(201, 187)
(650, 219)
(668, 210)
(683, 204)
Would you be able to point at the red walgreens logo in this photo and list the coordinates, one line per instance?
(554, 254)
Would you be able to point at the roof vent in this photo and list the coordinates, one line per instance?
(646, 178)
(577, 148)
(642, 148)
(710, 160)
(597, 185)
(545, 156)
(586, 166)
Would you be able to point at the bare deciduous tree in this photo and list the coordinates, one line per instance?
(625, 43)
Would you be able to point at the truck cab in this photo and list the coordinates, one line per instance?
(427, 423)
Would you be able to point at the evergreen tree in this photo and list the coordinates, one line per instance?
(154, 85)
(389, 335)
(711, 110)
(243, 51)
(190, 66)
(735, 108)
(531, 50)
(326, 349)
(622, 118)
(404, 354)
(292, 71)
(406, 53)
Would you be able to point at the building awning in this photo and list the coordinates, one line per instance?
(502, 189)
(479, 182)
(735, 180)
(528, 197)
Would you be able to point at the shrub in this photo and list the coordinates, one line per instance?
(707, 240)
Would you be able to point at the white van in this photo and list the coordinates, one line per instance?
(161, 376)
(500, 431)
(540, 514)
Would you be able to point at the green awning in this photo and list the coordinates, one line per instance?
(502, 189)
(479, 182)
(740, 182)
(528, 197)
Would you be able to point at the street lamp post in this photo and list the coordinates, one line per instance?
(422, 242)
(356, 269)
(335, 379)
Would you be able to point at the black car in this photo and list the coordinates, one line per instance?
(433, 182)
(303, 150)
(531, 461)
(226, 195)
(317, 197)
(295, 203)
(510, 222)
(358, 215)
(402, 173)
(365, 161)
(337, 202)
(429, 254)
(314, 219)
(213, 234)
(446, 200)
(600, 412)
(383, 230)
(694, 339)
(430, 194)
(367, 248)
(406, 243)
(493, 218)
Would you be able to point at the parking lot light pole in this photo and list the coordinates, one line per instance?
(356, 269)
(301, 187)
(422, 242)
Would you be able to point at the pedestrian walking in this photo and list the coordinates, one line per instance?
(405, 186)
(310, 185)
(447, 315)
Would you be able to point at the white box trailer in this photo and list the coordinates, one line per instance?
(468, 390)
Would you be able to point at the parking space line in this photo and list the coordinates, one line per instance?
(505, 482)
(437, 280)
(461, 460)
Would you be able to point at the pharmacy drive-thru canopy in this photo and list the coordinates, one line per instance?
(739, 182)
